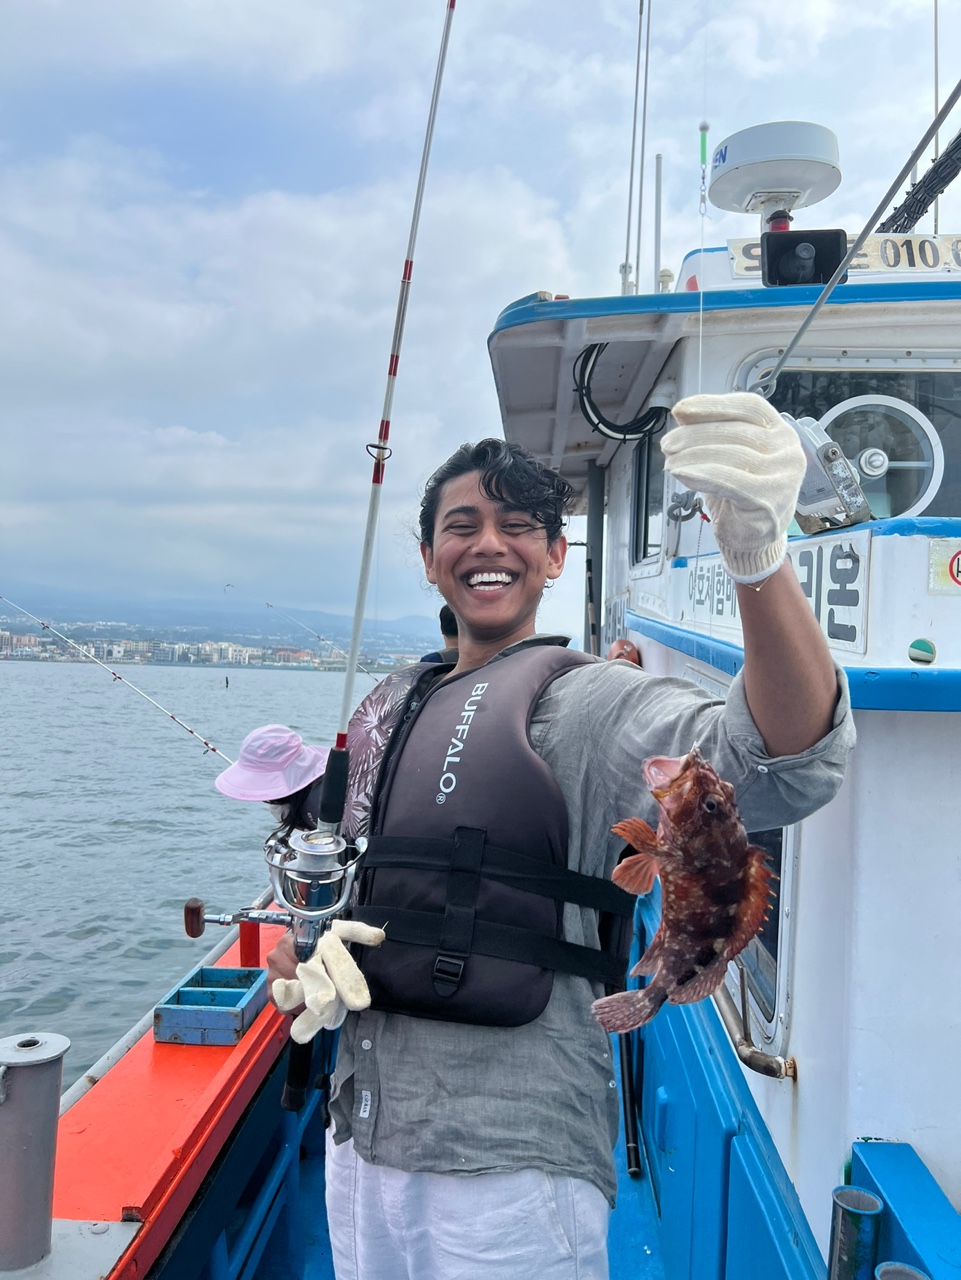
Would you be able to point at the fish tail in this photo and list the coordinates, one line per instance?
(628, 1009)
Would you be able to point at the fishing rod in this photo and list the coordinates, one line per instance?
(333, 797)
(312, 871)
(208, 746)
(380, 451)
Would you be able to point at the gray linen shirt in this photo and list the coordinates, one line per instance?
(446, 1097)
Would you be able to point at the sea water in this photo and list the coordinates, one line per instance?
(109, 821)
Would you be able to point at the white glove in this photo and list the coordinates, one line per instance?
(329, 983)
(748, 463)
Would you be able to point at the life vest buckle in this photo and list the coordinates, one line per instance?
(448, 971)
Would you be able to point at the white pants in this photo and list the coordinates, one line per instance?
(528, 1225)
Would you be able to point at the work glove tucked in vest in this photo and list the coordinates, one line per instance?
(329, 983)
(748, 463)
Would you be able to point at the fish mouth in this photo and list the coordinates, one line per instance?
(669, 777)
(666, 772)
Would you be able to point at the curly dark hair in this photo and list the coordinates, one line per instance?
(509, 475)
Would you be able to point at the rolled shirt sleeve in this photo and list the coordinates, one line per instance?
(618, 715)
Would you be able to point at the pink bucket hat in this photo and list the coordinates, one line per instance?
(273, 763)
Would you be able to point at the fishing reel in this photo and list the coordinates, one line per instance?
(312, 875)
(831, 496)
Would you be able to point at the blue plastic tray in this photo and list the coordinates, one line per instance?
(210, 1006)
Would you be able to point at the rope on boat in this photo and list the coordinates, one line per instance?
(380, 451)
(925, 191)
(208, 746)
(765, 386)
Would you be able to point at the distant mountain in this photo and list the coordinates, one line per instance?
(229, 618)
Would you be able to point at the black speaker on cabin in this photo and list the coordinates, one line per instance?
(801, 257)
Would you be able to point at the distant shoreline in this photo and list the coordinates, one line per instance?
(48, 660)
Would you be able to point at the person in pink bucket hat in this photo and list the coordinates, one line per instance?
(276, 767)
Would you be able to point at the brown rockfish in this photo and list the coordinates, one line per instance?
(715, 888)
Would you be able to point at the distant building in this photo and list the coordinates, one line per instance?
(293, 657)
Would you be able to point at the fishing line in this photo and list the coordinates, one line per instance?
(299, 623)
(380, 450)
(209, 746)
(334, 648)
(702, 208)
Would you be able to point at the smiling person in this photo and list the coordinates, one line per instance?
(474, 1107)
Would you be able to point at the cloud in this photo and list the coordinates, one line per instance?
(193, 391)
(194, 347)
(124, 36)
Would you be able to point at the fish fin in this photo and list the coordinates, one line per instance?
(628, 1009)
(704, 985)
(751, 915)
(636, 874)
(637, 834)
(651, 958)
(755, 904)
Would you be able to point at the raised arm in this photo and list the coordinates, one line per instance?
(748, 463)
(789, 677)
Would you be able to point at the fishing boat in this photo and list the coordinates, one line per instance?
(828, 1059)
(800, 1123)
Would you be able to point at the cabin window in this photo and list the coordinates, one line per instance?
(648, 498)
(760, 956)
(910, 456)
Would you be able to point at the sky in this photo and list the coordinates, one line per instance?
(204, 209)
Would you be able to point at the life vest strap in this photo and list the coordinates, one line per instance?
(506, 866)
(506, 942)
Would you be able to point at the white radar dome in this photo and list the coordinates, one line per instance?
(787, 163)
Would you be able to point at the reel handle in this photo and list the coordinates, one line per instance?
(194, 923)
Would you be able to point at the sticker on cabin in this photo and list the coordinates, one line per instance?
(944, 566)
(832, 571)
(615, 620)
(711, 593)
(928, 254)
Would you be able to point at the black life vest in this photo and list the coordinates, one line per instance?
(466, 865)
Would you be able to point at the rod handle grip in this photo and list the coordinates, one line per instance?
(298, 1076)
(333, 793)
(194, 923)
